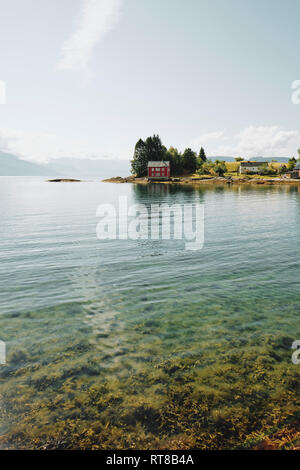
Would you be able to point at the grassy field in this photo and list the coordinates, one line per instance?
(233, 171)
(232, 167)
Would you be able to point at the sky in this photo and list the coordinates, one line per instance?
(88, 78)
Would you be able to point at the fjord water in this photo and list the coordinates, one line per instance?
(140, 343)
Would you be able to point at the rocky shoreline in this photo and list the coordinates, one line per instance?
(203, 180)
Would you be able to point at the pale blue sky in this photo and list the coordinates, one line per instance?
(216, 73)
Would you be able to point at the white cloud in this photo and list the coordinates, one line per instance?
(42, 147)
(251, 142)
(97, 17)
(206, 138)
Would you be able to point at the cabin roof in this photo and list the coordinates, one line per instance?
(158, 164)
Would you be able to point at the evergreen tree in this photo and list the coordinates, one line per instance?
(140, 161)
(154, 149)
(189, 160)
(202, 155)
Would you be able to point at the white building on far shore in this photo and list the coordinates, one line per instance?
(251, 167)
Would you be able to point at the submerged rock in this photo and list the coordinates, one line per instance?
(64, 180)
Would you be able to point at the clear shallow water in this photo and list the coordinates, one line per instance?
(141, 343)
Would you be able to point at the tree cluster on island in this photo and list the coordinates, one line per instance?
(189, 162)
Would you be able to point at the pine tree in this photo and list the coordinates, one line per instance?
(140, 161)
(189, 160)
(155, 149)
(202, 155)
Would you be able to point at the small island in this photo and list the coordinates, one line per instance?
(154, 163)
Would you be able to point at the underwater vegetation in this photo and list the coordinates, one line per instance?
(122, 371)
(244, 396)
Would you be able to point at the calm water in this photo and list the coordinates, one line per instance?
(141, 342)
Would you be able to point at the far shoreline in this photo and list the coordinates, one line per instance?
(183, 180)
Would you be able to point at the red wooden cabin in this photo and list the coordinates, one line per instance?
(159, 170)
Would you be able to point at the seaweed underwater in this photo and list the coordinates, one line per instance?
(237, 392)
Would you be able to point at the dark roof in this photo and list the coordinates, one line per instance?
(253, 163)
(297, 167)
(158, 164)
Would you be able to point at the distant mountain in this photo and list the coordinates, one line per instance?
(256, 159)
(10, 165)
(278, 159)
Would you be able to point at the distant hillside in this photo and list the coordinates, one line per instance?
(10, 165)
(263, 159)
(256, 159)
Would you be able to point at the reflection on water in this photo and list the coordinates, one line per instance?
(141, 344)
